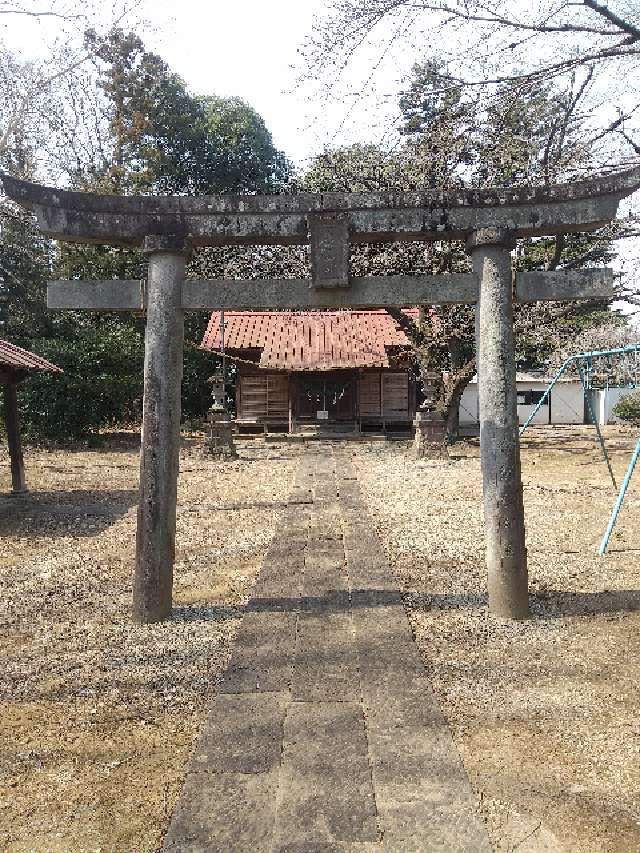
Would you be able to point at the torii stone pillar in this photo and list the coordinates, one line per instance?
(159, 453)
(499, 436)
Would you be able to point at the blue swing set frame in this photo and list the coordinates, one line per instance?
(584, 363)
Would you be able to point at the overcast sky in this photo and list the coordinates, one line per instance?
(252, 49)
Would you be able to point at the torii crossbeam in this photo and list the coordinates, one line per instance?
(167, 227)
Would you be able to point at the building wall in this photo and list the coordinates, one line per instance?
(529, 394)
(262, 395)
(468, 410)
(604, 401)
(385, 395)
(566, 403)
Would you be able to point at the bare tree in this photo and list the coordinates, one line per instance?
(618, 371)
(589, 47)
(32, 92)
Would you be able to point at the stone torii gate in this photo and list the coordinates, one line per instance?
(168, 227)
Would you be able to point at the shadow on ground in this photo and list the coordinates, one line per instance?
(550, 604)
(556, 603)
(81, 512)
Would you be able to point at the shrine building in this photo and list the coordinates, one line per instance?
(347, 371)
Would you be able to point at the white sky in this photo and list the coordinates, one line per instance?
(251, 48)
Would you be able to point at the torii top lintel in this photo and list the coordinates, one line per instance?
(287, 219)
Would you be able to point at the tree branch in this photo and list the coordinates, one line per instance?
(625, 26)
(59, 15)
(406, 324)
(557, 254)
(502, 21)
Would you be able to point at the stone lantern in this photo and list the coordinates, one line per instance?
(220, 424)
(430, 426)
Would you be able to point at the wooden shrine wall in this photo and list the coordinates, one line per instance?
(386, 394)
(262, 396)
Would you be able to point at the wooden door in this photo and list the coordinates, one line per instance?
(333, 393)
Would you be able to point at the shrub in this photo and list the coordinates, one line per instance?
(628, 408)
(101, 386)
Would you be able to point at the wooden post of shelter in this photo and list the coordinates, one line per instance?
(15, 361)
(18, 482)
(330, 223)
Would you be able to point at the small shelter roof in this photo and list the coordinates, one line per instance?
(16, 358)
(309, 340)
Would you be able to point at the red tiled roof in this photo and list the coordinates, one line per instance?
(309, 340)
(22, 359)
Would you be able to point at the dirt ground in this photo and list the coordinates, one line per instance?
(545, 713)
(98, 716)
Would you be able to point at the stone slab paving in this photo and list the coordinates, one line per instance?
(325, 735)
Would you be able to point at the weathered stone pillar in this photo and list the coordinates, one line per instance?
(164, 339)
(499, 439)
(18, 483)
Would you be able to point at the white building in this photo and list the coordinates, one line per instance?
(564, 405)
(604, 401)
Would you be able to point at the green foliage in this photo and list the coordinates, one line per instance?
(245, 157)
(157, 128)
(24, 266)
(198, 367)
(102, 379)
(440, 124)
(628, 408)
(165, 140)
(355, 168)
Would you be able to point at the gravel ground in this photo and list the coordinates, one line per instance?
(545, 712)
(98, 715)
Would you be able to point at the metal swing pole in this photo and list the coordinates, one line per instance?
(619, 501)
(597, 426)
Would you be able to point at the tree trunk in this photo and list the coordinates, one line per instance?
(452, 420)
(453, 391)
(430, 426)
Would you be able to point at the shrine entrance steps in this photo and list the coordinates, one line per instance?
(325, 735)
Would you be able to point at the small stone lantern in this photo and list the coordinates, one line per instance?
(430, 426)
(220, 424)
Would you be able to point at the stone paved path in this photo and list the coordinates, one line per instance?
(325, 735)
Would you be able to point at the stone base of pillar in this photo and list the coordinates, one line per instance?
(220, 442)
(430, 436)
